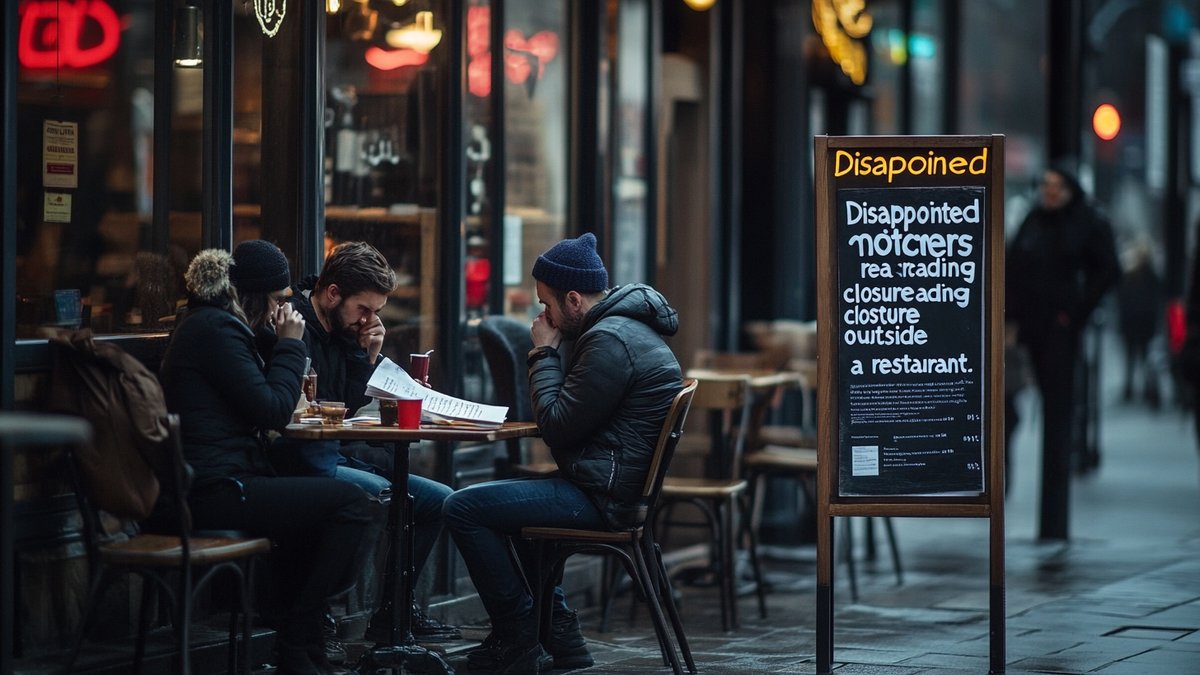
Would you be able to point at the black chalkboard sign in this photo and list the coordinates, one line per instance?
(910, 376)
(911, 263)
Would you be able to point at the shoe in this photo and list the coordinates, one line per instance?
(504, 657)
(424, 628)
(294, 660)
(512, 649)
(428, 629)
(567, 646)
(480, 658)
(335, 651)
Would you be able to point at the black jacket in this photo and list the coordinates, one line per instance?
(340, 363)
(213, 377)
(602, 411)
(1061, 260)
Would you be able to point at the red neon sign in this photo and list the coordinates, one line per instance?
(521, 53)
(387, 59)
(66, 34)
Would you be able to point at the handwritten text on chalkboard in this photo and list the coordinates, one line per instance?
(910, 264)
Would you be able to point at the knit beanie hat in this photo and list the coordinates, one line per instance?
(572, 265)
(259, 267)
(207, 276)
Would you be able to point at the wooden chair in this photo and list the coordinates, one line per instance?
(719, 497)
(800, 462)
(179, 565)
(635, 547)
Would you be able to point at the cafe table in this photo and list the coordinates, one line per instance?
(402, 649)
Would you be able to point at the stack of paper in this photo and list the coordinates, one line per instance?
(391, 381)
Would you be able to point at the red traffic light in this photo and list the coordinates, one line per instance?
(1106, 121)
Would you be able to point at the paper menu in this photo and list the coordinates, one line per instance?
(390, 380)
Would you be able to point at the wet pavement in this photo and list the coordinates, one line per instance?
(1121, 597)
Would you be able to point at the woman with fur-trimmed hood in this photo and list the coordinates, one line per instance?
(226, 397)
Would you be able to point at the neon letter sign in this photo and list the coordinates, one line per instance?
(51, 33)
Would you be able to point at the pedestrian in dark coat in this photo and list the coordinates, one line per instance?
(227, 397)
(600, 409)
(1061, 263)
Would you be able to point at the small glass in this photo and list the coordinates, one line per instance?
(332, 413)
(387, 412)
(309, 385)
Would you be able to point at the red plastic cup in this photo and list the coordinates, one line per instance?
(419, 367)
(408, 413)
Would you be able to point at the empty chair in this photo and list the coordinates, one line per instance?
(181, 566)
(720, 496)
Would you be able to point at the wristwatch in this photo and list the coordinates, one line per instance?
(538, 353)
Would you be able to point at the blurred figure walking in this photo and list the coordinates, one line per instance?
(1061, 263)
(1140, 303)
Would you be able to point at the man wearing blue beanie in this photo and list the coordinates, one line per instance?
(600, 408)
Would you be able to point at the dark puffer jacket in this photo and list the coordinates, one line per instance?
(602, 411)
(213, 377)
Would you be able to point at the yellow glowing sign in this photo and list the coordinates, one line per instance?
(842, 25)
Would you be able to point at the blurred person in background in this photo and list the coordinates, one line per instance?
(1140, 304)
(1060, 265)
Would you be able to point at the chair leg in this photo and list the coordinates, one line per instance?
(891, 535)
(185, 620)
(609, 589)
(148, 601)
(755, 564)
(247, 596)
(660, 625)
(666, 592)
(728, 560)
(99, 582)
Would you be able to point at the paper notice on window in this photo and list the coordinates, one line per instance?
(57, 207)
(60, 154)
(391, 381)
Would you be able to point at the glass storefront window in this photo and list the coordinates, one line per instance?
(382, 171)
(535, 133)
(86, 250)
(630, 184)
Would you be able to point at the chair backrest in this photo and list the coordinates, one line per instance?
(728, 399)
(668, 439)
(748, 361)
(506, 343)
(173, 515)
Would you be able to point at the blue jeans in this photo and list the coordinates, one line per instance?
(371, 483)
(428, 496)
(481, 517)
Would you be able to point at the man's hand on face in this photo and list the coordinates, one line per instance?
(370, 337)
(545, 335)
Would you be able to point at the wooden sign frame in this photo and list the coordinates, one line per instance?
(884, 166)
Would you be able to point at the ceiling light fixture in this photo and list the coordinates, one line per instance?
(419, 36)
(188, 43)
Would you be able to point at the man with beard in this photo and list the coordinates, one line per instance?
(599, 406)
(344, 335)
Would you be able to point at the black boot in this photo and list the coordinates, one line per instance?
(512, 649)
(566, 645)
